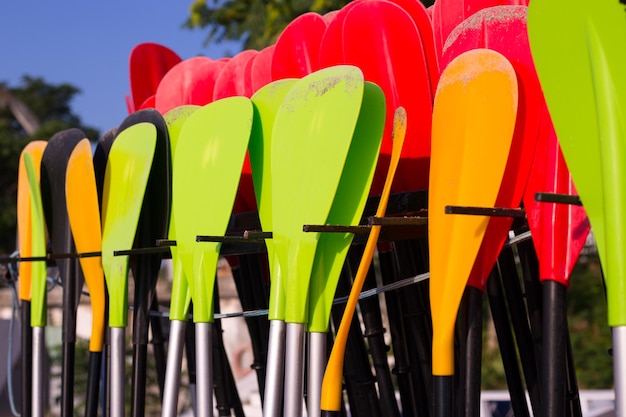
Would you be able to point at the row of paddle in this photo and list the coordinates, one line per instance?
(500, 28)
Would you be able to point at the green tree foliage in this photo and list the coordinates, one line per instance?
(256, 22)
(50, 104)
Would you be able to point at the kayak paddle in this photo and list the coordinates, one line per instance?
(83, 213)
(180, 296)
(148, 63)
(24, 233)
(314, 127)
(207, 166)
(53, 172)
(126, 176)
(266, 103)
(559, 233)
(347, 209)
(261, 70)
(478, 90)
(297, 48)
(330, 400)
(588, 53)
(38, 288)
(152, 225)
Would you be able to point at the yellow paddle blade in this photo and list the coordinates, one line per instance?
(24, 220)
(83, 211)
(333, 377)
(473, 122)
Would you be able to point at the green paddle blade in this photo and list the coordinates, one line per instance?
(38, 247)
(347, 208)
(180, 297)
(125, 179)
(207, 167)
(266, 101)
(312, 134)
(582, 75)
(473, 123)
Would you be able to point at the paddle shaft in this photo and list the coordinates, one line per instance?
(204, 374)
(38, 387)
(169, 407)
(471, 351)
(117, 378)
(27, 360)
(274, 377)
(93, 384)
(315, 371)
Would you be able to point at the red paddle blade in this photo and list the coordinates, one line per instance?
(261, 68)
(376, 38)
(297, 48)
(331, 47)
(559, 231)
(149, 62)
(424, 24)
(503, 29)
(447, 14)
(189, 82)
(232, 79)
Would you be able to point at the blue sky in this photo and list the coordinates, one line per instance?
(88, 43)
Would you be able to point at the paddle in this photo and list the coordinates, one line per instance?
(297, 48)
(38, 289)
(208, 160)
(266, 103)
(321, 111)
(588, 54)
(559, 233)
(126, 176)
(24, 233)
(376, 36)
(191, 81)
(53, 169)
(83, 213)
(180, 296)
(148, 63)
(448, 14)
(502, 29)
(331, 46)
(152, 225)
(231, 80)
(261, 68)
(347, 209)
(471, 151)
(330, 400)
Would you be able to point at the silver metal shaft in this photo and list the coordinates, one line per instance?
(317, 366)
(39, 353)
(118, 361)
(275, 370)
(204, 370)
(619, 369)
(294, 370)
(172, 371)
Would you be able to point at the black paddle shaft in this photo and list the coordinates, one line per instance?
(53, 171)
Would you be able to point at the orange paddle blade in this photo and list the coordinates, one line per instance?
(473, 123)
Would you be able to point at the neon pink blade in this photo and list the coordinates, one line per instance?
(261, 71)
(189, 82)
(298, 46)
(447, 14)
(376, 38)
(503, 29)
(148, 63)
(232, 81)
(559, 231)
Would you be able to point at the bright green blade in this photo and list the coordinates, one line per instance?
(267, 100)
(578, 49)
(312, 134)
(207, 167)
(180, 297)
(347, 208)
(125, 179)
(38, 247)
